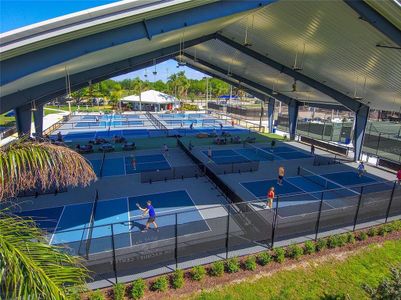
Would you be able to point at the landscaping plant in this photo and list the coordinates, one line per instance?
(279, 255)
(138, 289)
(309, 247)
(217, 269)
(119, 291)
(264, 258)
(198, 273)
(250, 263)
(232, 265)
(177, 279)
(160, 284)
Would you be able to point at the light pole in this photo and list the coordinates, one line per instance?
(207, 91)
(140, 97)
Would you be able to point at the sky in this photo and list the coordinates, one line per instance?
(18, 13)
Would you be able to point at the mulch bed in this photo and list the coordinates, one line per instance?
(209, 282)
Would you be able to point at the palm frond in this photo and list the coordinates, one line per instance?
(29, 267)
(31, 165)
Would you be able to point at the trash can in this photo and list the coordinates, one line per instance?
(347, 140)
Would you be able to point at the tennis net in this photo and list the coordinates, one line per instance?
(328, 185)
(259, 152)
(91, 224)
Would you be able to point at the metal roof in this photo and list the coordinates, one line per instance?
(328, 47)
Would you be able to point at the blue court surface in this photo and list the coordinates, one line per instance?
(124, 165)
(69, 224)
(303, 189)
(247, 154)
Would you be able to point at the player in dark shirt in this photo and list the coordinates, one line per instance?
(152, 215)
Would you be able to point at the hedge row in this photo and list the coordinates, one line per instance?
(176, 280)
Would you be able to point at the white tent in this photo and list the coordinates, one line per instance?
(152, 100)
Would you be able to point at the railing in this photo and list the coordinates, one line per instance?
(121, 249)
(8, 132)
(256, 127)
(57, 125)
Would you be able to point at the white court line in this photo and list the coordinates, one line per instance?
(55, 229)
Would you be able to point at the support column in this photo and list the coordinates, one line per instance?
(361, 119)
(293, 118)
(270, 113)
(23, 116)
(38, 120)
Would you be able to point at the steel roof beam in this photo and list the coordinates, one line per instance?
(374, 18)
(253, 92)
(262, 88)
(46, 91)
(17, 67)
(261, 95)
(345, 100)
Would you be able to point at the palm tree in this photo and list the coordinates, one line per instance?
(30, 268)
(29, 165)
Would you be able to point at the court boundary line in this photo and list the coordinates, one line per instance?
(55, 228)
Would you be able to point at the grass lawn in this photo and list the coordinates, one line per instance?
(325, 280)
(6, 121)
(82, 108)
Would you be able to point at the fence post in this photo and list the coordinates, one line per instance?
(391, 201)
(274, 223)
(378, 143)
(176, 241)
(318, 217)
(357, 209)
(114, 254)
(228, 230)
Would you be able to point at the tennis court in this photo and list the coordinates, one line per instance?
(335, 187)
(69, 224)
(253, 153)
(124, 165)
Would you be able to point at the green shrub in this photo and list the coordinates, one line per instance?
(250, 263)
(138, 289)
(119, 291)
(372, 231)
(217, 269)
(342, 240)
(333, 241)
(198, 273)
(382, 231)
(396, 225)
(294, 252)
(350, 238)
(232, 265)
(279, 255)
(160, 284)
(309, 247)
(321, 244)
(96, 295)
(264, 258)
(177, 279)
(389, 227)
(362, 236)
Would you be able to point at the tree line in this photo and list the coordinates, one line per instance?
(177, 85)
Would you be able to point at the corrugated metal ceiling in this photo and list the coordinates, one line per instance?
(331, 44)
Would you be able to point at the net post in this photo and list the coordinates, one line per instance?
(228, 230)
(357, 210)
(176, 241)
(319, 215)
(274, 223)
(391, 201)
(114, 254)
